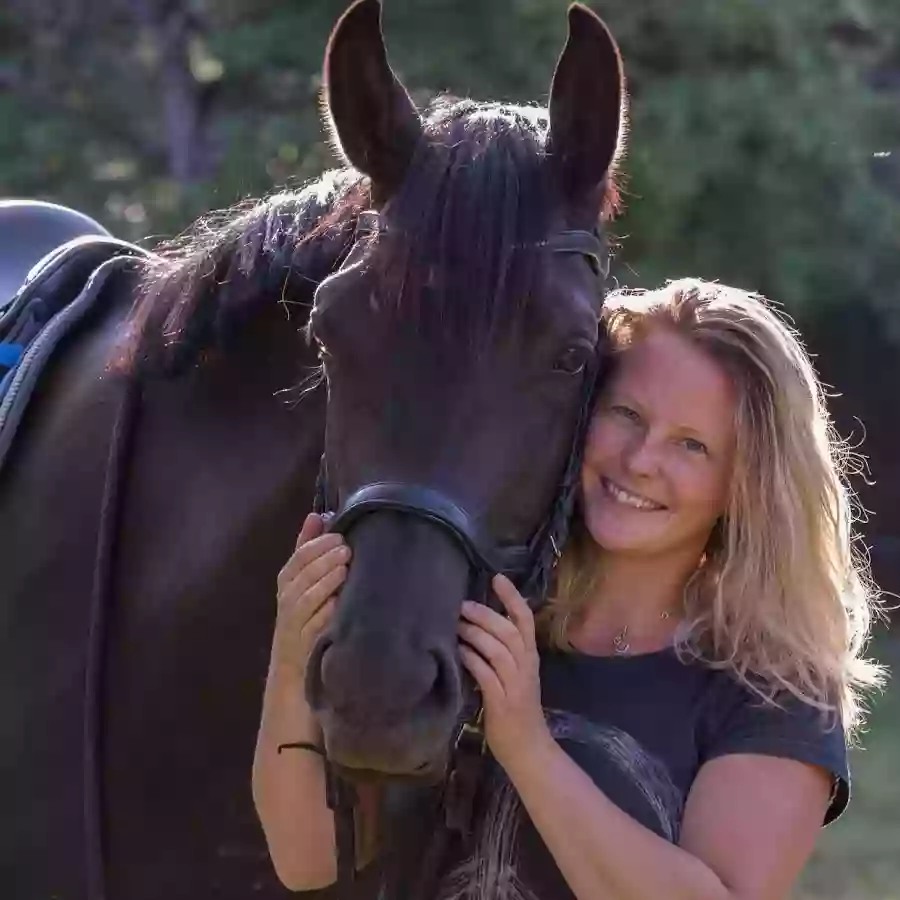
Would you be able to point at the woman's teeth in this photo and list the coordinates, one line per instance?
(620, 495)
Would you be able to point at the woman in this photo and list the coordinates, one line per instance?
(683, 730)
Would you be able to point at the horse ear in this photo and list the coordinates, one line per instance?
(373, 121)
(586, 103)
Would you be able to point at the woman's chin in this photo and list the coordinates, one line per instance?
(626, 546)
(617, 536)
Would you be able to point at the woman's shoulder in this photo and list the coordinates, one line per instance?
(682, 693)
(743, 717)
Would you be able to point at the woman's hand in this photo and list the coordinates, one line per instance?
(306, 591)
(501, 654)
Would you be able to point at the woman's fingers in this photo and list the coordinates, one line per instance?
(307, 553)
(484, 675)
(306, 594)
(490, 620)
(491, 649)
(516, 606)
(319, 620)
(312, 527)
(307, 585)
(315, 570)
(294, 640)
(300, 623)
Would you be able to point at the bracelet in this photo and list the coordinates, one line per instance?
(302, 745)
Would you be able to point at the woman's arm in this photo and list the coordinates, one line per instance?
(289, 788)
(749, 828)
(754, 820)
(750, 822)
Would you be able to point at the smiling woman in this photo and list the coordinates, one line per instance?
(712, 442)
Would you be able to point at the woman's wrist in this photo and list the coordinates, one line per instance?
(290, 650)
(530, 758)
(287, 716)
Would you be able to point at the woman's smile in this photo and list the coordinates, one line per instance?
(619, 494)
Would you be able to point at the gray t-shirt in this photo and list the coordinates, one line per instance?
(641, 727)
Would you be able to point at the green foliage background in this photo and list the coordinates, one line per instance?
(761, 150)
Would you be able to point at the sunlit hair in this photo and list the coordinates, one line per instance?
(782, 596)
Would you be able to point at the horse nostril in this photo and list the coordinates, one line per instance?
(368, 680)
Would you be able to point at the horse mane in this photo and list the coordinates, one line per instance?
(202, 287)
(476, 192)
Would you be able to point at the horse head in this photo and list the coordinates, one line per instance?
(460, 339)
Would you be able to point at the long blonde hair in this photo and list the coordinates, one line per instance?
(783, 596)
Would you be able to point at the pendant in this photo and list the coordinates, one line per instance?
(621, 647)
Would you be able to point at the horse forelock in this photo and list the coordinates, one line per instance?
(476, 195)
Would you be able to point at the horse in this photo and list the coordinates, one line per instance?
(409, 340)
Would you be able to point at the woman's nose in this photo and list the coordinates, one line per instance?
(642, 455)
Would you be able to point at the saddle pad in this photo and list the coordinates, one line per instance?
(58, 292)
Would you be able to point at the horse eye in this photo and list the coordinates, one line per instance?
(571, 361)
(322, 350)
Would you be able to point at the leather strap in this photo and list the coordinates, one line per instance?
(433, 506)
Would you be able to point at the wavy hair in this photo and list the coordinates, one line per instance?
(782, 596)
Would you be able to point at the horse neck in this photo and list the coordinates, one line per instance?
(225, 454)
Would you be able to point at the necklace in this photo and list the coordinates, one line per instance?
(621, 647)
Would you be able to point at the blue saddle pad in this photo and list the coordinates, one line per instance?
(58, 292)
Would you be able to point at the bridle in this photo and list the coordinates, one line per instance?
(529, 566)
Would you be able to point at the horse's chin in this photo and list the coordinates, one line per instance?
(401, 750)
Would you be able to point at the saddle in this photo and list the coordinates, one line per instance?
(59, 290)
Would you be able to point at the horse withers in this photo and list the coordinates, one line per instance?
(455, 343)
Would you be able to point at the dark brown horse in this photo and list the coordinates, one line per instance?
(455, 345)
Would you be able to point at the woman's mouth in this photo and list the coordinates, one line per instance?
(629, 498)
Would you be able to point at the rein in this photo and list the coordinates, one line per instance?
(530, 567)
(102, 595)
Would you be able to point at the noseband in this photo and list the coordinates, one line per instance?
(529, 566)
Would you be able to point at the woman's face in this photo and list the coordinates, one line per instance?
(660, 450)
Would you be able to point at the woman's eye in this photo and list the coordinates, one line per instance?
(571, 361)
(695, 446)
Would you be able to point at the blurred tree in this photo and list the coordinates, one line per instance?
(756, 125)
(762, 132)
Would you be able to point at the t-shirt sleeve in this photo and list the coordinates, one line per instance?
(796, 730)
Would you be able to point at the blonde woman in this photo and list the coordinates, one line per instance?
(682, 730)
